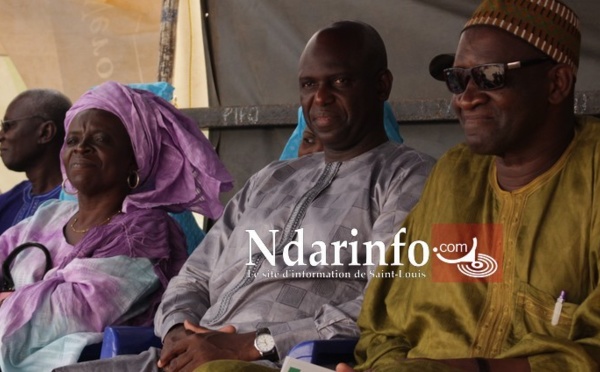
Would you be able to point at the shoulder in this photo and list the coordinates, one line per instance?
(153, 224)
(49, 218)
(139, 233)
(583, 154)
(296, 163)
(392, 162)
(456, 174)
(138, 218)
(56, 209)
(146, 224)
(16, 190)
(11, 200)
(587, 131)
(460, 161)
(404, 156)
(583, 160)
(283, 169)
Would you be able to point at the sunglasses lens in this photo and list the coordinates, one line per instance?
(486, 77)
(455, 80)
(489, 77)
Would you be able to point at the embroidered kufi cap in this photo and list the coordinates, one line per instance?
(548, 25)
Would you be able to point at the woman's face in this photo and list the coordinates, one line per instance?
(310, 143)
(98, 155)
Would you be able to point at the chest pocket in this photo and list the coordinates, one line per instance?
(534, 313)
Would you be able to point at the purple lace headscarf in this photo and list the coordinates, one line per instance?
(178, 166)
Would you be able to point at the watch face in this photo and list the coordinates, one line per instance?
(264, 342)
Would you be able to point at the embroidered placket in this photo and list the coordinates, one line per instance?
(288, 233)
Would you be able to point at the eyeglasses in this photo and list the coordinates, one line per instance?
(490, 76)
(5, 125)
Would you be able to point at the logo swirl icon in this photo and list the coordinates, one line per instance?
(473, 264)
(482, 268)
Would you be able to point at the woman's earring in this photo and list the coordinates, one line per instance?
(64, 187)
(136, 182)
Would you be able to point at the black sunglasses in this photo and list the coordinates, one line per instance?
(490, 76)
(5, 125)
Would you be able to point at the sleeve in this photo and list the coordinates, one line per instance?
(546, 353)
(382, 342)
(84, 296)
(187, 295)
(339, 321)
(109, 277)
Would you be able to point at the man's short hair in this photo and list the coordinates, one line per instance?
(49, 103)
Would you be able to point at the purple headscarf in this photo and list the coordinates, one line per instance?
(178, 166)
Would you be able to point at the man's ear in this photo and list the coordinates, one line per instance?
(384, 84)
(562, 82)
(47, 131)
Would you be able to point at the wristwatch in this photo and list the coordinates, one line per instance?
(265, 344)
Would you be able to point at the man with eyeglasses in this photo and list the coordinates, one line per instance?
(519, 196)
(31, 137)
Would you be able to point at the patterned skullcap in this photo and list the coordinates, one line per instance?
(548, 25)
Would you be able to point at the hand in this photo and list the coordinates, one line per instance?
(190, 346)
(4, 296)
(343, 367)
(175, 333)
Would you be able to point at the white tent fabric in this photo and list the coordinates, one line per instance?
(255, 44)
(72, 45)
(189, 74)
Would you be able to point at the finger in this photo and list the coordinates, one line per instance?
(182, 363)
(189, 326)
(194, 328)
(343, 367)
(175, 333)
(228, 329)
(165, 359)
(171, 351)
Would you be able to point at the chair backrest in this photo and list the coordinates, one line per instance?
(326, 353)
(121, 340)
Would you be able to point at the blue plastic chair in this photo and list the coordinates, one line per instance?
(121, 340)
(326, 353)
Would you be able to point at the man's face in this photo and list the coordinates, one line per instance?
(508, 120)
(19, 147)
(338, 92)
